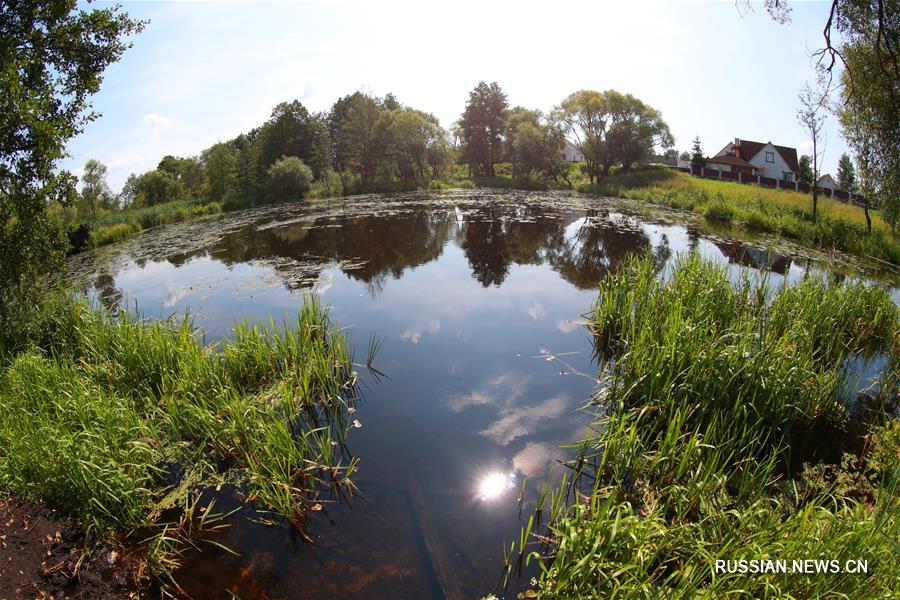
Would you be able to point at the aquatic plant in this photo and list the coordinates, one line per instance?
(100, 414)
(698, 450)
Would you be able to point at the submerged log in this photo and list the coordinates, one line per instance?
(443, 572)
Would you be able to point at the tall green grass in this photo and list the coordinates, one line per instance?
(698, 448)
(760, 210)
(100, 408)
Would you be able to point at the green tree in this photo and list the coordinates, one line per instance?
(290, 131)
(157, 187)
(811, 118)
(805, 176)
(129, 196)
(364, 136)
(846, 173)
(634, 130)
(52, 58)
(94, 190)
(289, 178)
(534, 144)
(869, 113)
(481, 128)
(411, 136)
(698, 161)
(586, 115)
(869, 83)
(220, 169)
(188, 171)
(612, 128)
(684, 155)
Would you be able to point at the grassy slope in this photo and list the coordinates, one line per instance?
(91, 416)
(757, 209)
(694, 452)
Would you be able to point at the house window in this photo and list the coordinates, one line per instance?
(787, 176)
(770, 157)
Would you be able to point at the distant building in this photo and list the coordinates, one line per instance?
(827, 181)
(572, 154)
(756, 158)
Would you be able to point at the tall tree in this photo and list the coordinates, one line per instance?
(698, 161)
(870, 110)
(481, 127)
(869, 83)
(288, 132)
(220, 170)
(612, 128)
(586, 116)
(52, 58)
(634, 130)
(811, 118)
(364, 136)
(94, 189)
(846, 174)
(534, 144)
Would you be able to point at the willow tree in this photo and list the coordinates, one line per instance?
(611, 128)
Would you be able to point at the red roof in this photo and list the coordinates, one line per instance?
(748, 150)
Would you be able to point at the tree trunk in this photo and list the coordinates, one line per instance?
(815, 200)
(868, 217)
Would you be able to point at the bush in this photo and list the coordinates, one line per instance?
(289, 178)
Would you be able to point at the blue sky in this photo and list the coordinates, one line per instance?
(203, 71)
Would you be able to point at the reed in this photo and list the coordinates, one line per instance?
(695, 455)
(100, 407)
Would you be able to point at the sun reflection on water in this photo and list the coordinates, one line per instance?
(494, 484)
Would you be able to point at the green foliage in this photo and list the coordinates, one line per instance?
(98, 403)
(94, 190)
(219, 167)
(107, 234)
(610, 128)
(869, 107)
(157, 187)
(698, 161)
(63, 50)
(289, 179)
(846, 174)
(805, 176)
(712, 385)
(481, 128)
(534, 145)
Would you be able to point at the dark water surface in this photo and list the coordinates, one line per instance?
(470, 292)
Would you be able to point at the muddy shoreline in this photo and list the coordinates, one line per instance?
(43, 555)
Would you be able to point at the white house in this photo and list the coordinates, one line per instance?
(757, 158)
(572, 154)
(827, 181)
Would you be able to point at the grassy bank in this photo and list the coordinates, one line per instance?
(725, 434)
(116, 422)
(759, 210)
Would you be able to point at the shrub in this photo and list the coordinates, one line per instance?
(289, 178)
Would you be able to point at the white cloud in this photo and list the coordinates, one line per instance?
(536, 311)
(158, 124)
(517, 422)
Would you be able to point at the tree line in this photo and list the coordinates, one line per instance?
(365, 143)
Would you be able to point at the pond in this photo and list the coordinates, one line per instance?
(478, 299)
